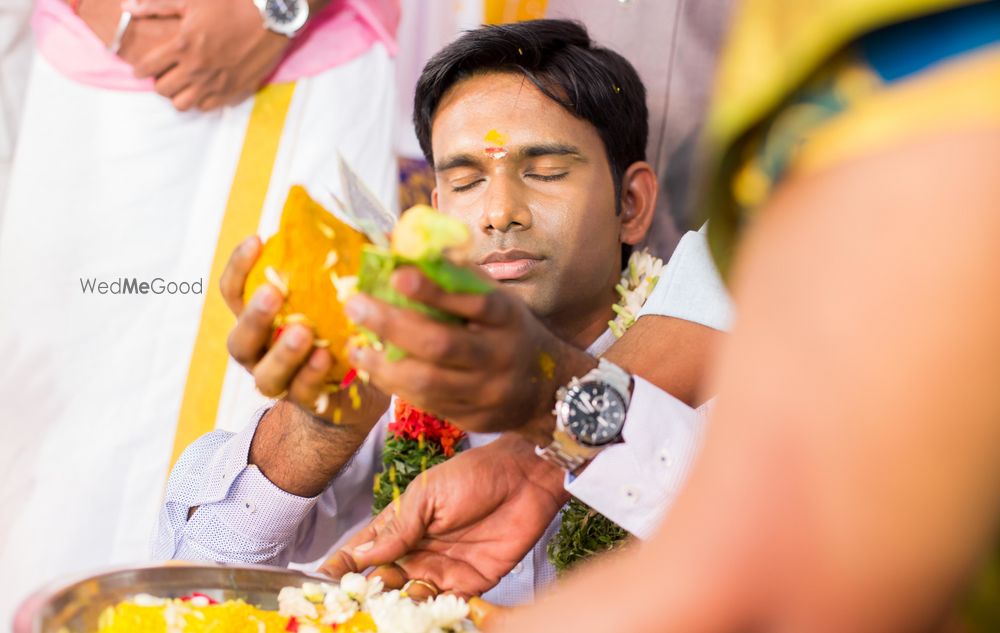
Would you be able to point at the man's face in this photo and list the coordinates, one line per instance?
(533, 183)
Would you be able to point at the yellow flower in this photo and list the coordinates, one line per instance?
(423, 232)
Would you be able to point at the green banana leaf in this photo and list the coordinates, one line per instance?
(375, 279)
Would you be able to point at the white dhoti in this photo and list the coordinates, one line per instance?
(101, 391)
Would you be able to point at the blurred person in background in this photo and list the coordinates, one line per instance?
(15, 58)
(156, 135)
(848, 480)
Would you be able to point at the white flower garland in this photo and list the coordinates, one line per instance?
(637, 283)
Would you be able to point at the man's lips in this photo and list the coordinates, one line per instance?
(509, 265)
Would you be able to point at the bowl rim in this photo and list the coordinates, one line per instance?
(27, 612)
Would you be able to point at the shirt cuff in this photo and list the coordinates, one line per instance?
(634, 482)
(238, 495)
(258, 510)
(690, 287)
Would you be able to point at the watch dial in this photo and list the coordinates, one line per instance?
(596, 413)
(282, 11)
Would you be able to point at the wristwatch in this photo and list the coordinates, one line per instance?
(284, 17)
(590, 413)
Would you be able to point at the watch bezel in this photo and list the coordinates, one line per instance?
(287, 29)
(564, 407)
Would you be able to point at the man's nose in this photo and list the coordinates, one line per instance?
(506, 209)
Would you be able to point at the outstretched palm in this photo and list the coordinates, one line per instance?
(463, 524)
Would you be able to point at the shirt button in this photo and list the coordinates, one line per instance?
(665, 459)
(249, 508)
(518, 568)
(631, 494)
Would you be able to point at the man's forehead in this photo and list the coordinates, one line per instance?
(494, 100)
(479, 110)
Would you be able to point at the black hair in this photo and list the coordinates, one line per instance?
(593, 83)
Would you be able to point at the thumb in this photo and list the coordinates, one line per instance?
(390, 536)
(154, 8)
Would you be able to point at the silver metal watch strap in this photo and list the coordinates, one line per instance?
(563, 453)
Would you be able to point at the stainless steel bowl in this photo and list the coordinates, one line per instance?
(74, 606)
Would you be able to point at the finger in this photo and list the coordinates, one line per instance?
(388, 537)
(234, 276)
(485, 614)
(493, 308)
(419, 382)
(448, 573)
(173, 82)
(446, 344)
(158, 61)
(344, 561)
(249, 339)
(210, 102)
(307, 386)
(392, 575)
(275, 370)
(188, 97)
(419, 589)
(154, 8)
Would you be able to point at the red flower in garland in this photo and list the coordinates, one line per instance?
(411, 423)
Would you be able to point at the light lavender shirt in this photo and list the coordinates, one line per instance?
(243, 517)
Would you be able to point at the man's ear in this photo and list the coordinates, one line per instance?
(639, 188)
(434, 197)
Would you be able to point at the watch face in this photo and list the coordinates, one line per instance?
(595, 413)
(285, 16)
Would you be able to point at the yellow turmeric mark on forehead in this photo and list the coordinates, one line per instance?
(495, 145)
(495, 138)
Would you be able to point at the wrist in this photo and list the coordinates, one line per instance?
(299, 453)
(570, 363)
(589, 416)
(315, 6)
(543, 473)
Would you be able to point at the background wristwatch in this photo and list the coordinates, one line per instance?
(590, 413)
(285, 17)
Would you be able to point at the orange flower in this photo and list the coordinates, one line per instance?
(411, 423)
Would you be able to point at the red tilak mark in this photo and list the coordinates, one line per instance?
(293, 625)
(496, 153)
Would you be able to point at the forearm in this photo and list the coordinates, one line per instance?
(301, 454)
(681, 325)
(673, 354)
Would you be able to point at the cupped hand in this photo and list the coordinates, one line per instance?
(464, 524)
(290, 366)
(497, 369)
